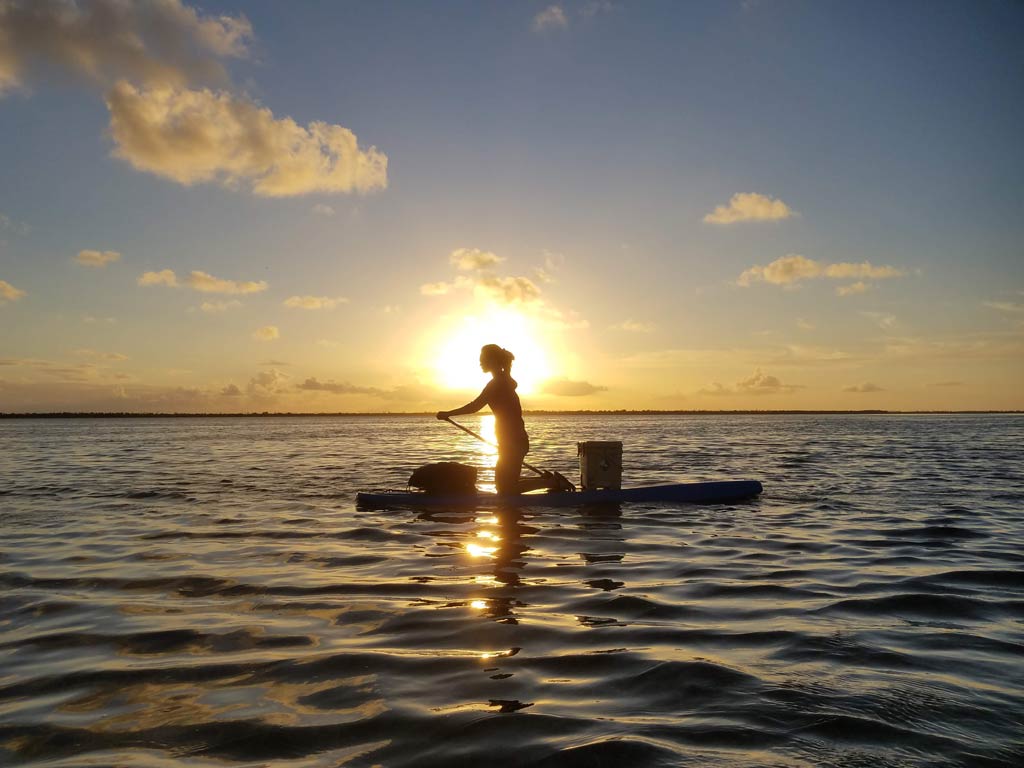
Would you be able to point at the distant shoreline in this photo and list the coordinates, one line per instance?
(621, 412)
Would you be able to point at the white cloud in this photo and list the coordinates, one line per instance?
(634, 326)
(507, 290)
(852, 289)
(758, 384)
(436, 289)
(314, 302)
(155, 59)
(336, 388)
(116, 357)
(883, 320)
(845, 271)
(1005, 306)
(865, 388)
(9, 293)
(267, 383)
(7, 224)
(163, 277)
(192, 136)
(793, 268)
(165, 42)
(563, 387)
(750, 206)
(217, 307)
(97, 258)
(472, 259)
(785, 270)
(206, 283)
(552, 17)
(323, 210)
(266, 333)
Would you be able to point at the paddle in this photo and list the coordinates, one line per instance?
(483, 439)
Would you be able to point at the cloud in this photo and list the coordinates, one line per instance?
(508, 290)
(314, 302)
(163, 277)
(156, 60)
(217, 307)
(792, 268)
(407, 393)
(204, 283)
(267, 383)
(336, 388)
(96, 258)
(852, 289)
(1005, 306)
(9, 293)
(231, 390)
(436, 289)
(758, 384)
(563, 387)
(192, 136)
(91, 320)
(804, 325)
(845, 270)
(95, 355)
(783, 271)
(266, 333)
(7, 224)
(865, 388)
(750, 206)
(883, 320)
(471, 259)
(552, 17)
(323, 210)
(948, 384)
(634, 326)
(101, 41)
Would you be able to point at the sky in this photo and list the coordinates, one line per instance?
(746, 204)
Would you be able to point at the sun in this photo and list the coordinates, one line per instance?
(457, 361)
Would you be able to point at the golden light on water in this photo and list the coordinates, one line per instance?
(480, 550)
(478, 604)
(457, 360)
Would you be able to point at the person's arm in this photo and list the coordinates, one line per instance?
(470, 407)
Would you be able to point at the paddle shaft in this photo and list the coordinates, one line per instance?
(483, 439)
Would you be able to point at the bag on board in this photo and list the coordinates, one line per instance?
(445, 477)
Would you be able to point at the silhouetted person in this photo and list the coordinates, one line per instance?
(513, 442)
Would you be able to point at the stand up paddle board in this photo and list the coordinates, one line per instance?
(676, 493)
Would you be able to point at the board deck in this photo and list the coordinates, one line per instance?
(685, 493)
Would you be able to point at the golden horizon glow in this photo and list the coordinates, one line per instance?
(457, 360)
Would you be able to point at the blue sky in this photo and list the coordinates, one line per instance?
(584, 146)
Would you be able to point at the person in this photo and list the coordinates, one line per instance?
(509, 428)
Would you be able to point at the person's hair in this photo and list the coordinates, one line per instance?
(496, 358)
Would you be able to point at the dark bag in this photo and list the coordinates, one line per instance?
(446, 477)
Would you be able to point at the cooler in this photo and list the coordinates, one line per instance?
(600, 464)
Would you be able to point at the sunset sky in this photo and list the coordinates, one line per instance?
(248, 206)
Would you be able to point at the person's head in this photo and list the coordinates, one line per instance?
(494, 359)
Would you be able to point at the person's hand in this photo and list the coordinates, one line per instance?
(442, 415)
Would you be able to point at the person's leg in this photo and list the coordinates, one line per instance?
(506, 472)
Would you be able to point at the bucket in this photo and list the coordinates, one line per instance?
(600, 464)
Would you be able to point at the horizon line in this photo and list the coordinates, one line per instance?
(533, 412)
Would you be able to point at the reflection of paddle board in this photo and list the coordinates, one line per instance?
(686, 493)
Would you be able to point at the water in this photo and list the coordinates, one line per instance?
(203, 592)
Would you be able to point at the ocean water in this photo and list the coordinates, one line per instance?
(204, 592)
